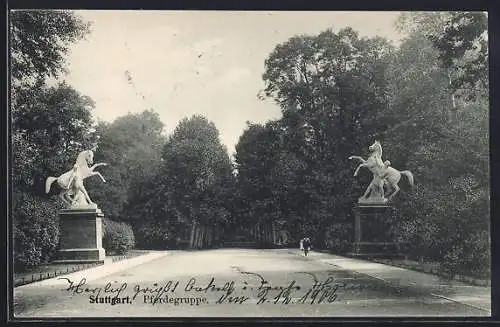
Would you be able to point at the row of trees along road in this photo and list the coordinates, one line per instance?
(425, 100)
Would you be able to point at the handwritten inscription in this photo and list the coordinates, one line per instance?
(253, 288)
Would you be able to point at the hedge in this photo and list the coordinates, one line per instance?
(339, 236)
(155, 235)
(35, 230)
(118, 237)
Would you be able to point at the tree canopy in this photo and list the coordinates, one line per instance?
(425, 100)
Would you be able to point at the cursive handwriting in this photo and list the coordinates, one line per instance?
(320, 292)
(284, 292)
(228, 288)
(192, 286)
(229, 292)
(80, 288)
(156, 291)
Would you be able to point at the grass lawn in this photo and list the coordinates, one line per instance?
(49, 270)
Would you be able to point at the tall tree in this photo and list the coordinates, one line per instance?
(131, 146)
(200, 171)
(331, 88)
(39, 42)
(430, 135)
(461, 40)
(463, 49)
(192, 189)
(49, 125)
(52, 127)
(262, 178)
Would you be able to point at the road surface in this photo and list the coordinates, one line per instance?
(232, 283)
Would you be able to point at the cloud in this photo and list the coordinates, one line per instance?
(233, 76)
(207, 45)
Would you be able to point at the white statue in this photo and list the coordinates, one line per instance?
(383, 175)
(73, 191)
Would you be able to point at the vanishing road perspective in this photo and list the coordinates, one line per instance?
(248, 283)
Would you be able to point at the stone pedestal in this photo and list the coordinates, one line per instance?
(80, 236)
(372, 232)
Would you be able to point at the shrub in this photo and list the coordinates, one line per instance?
(36, 230)
(470, 257)
(338, 237)
(155, 235)
(118, 237)
(477, 250)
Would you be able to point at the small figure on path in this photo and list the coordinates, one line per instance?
(306, 243)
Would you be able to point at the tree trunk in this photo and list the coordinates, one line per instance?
(204, 237)
(264, 233)
(269, 233)
(193, 243)
(211, 236)
(453, 102)
(196, 236)
(191, 240)
(274, 234)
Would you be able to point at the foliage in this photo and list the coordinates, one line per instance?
(155, 235)
(49, 126)
(36, 230)
(118, 237)
(431, 135)
(39, 41)
(339, 237)
(330, 88)
(131, 147)
(425, 100)
(337, 93)
(199, 169)
(193, 184)
(49, 130)
(256, 157)
(469, 256)
(461, 41)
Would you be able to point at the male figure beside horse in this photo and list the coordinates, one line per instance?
(383, 174)
(71, 182)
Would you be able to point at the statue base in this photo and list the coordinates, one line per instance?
(80, 236)
(372, 201)
(372, 232)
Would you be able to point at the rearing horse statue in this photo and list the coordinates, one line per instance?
(71, 182)
(383, 173)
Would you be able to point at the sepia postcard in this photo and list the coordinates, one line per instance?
(299, 164)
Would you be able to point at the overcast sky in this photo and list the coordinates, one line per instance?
(183, 63)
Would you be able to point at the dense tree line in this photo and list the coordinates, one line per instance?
(50, 124)
(426, 100)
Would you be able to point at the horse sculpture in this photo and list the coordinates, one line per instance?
(71, 182)
(383, 173)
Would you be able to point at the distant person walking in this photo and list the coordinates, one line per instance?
(306, 244)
